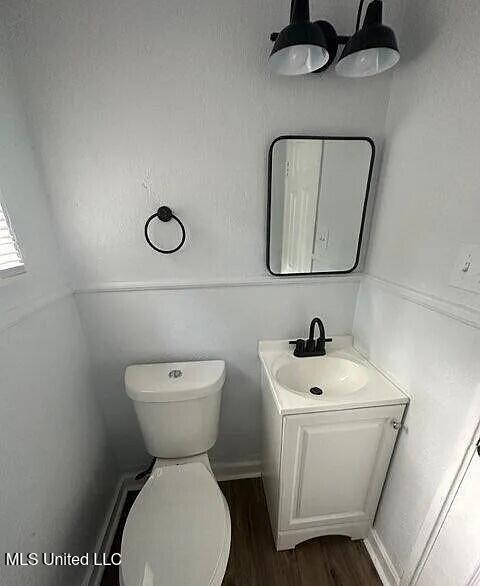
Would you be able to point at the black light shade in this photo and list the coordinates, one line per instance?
(371, 50)
(302, 46)
(298, 49)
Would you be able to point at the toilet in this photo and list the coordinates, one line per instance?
(178, 530)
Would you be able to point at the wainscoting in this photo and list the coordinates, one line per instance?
(429, 347)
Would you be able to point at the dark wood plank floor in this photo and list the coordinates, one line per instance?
(325, 561)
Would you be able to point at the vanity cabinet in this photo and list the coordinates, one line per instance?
(323, 472)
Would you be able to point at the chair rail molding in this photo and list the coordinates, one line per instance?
(463, 313)
(125, 286)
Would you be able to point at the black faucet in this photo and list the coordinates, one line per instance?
(312, 347)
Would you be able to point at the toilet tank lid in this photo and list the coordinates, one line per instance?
(174, 381)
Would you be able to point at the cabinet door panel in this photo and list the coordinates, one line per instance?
(334, 465)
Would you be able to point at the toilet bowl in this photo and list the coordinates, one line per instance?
(178, 530)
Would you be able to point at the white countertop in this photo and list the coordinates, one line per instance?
(376, 392)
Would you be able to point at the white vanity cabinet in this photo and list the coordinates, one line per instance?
(333, 468)
(324, 465)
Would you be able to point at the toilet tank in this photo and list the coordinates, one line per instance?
(177, 405)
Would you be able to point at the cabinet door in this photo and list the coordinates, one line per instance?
(334, 465)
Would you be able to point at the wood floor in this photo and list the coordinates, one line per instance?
(326, 561)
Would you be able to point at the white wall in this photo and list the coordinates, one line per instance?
(429, 200)
(179, 92)
(434, 358)
(410, 323)
(56, 471)
(22, 194)
(185, 324)
(56, 475)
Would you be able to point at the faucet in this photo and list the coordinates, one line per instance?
(311, 347)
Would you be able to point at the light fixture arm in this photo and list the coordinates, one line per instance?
(375, 13)
(359, 15)
(299, 11)
(343, 39)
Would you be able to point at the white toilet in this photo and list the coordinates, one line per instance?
(178, 530)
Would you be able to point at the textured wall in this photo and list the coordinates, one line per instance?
(178, 92)
(56, 475)
(22, 193)
(223, 322)
(434, 358)
(424, 333)
(429, 204)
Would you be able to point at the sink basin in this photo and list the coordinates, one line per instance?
(322, 377)
(344, 377)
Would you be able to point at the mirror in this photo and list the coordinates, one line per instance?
(317, 197)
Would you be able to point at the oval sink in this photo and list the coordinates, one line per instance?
(322, 377)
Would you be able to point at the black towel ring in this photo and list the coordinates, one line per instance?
(164, 214)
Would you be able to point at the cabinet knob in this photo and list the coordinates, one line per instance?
(396, 424)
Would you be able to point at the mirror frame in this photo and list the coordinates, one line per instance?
(366, 139)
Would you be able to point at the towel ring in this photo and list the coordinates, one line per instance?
(164, 214)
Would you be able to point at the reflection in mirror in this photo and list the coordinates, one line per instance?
(318, 189)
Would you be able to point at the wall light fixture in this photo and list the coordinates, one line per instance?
(307, 47)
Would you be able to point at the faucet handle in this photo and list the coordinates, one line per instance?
(320, 345)
(299, 346)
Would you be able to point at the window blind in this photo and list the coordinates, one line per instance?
(10, 257)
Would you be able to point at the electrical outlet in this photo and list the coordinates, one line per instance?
(466, 271)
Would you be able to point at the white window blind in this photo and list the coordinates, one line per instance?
(10, 257)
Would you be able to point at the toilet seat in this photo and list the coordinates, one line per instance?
(178, 530)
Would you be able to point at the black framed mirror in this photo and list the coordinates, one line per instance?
(318, 189)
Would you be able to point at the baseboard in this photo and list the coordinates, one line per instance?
(107, 532)
(381, 560)
(236, 470)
